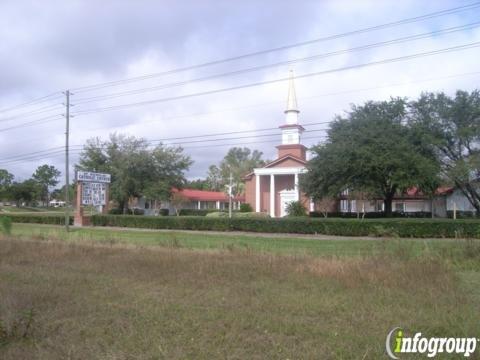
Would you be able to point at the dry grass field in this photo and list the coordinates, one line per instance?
(87, 300)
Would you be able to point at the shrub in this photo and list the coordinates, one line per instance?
(6, 225)
(196, 212)
(420, 228)
(372, 215)
(217, 214)
(115, 211)
(164, 212)
(252, 215)
(462, 214)
(40, 219)
(137, 211)
(296, 208)
(245, 208)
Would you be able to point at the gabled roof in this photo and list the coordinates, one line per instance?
(277, 161)
(203, 195)
(283, 158)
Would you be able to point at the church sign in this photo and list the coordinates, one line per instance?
(94, 193)
(87, 176)
(92, 190)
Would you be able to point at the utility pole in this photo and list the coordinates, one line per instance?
(230, 196)
(67, 165)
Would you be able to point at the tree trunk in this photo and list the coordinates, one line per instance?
(388, 205)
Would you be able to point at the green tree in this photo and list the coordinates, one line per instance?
(370, 150)
(198, 184)
(24, 192)
(46, 177)
(239, 162)
(136, 170)
(59, 194)
(6, 180)
(451, 127)
(214, 178)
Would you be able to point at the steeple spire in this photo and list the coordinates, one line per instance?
(292, 107)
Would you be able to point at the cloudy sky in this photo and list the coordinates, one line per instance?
(92, 47)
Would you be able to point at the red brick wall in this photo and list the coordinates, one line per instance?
(250, 192)
(296, 150)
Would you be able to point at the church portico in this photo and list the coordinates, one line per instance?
(283, 181)
(271, 188)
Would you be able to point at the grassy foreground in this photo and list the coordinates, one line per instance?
(75, 298)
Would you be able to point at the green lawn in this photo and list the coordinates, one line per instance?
(205, 241)
(98, 293)
(29, 210)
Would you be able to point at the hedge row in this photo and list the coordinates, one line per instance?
(38, 219)
(373, 214)
(421, 228)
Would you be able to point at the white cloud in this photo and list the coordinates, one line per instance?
(71, 44)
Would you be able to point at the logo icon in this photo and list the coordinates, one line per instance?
(397, 343)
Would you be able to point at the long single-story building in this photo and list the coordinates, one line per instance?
(193, 199)
(270, 188)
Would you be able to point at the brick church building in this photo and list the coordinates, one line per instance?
(270, 188)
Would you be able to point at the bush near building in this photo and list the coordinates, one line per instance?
(404, 228)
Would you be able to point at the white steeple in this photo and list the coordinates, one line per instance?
(292, 130)
(291, 111)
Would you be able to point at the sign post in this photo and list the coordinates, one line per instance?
(92, 190)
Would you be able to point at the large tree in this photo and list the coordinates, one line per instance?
(451, 126)
(370, 150)
(6, 180)
(24, 192)
(214, 178)
(238, 162)
(46, 177)
(136, 169)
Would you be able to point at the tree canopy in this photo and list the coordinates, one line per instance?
(136, 169)
(239, 162)
(46, 176)
(6, 180)
(451, 128)
(373, 150)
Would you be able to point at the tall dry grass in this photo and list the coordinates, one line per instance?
(70, 300)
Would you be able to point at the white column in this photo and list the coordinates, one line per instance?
(199, 205)
(272, 195)
(312, 205)
(297, 195)
(218, 205)
(257, 193)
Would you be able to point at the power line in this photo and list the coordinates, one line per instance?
(281, 63)
(306, 98)
(345, 68)
(31, 102)
(60, 153)
(58, 148)
(427, 16)
(286, 47)
(42, 110)
(34, 122)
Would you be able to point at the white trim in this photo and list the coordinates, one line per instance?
(257, 193)
(272, 195)
(280, 171)
(297, 194)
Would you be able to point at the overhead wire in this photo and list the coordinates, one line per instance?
(427, 16)
(267, 82)
(280, 63)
